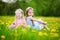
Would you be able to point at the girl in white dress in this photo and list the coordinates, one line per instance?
(36, 24)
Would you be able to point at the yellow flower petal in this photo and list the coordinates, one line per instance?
(54, 35)
(3, 37)
(40, 34)
(2, 23)
(33, 30)
(45, 34)
(28, 26)
(53, 30)
(23, 30)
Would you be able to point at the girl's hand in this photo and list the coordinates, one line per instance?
(42, 21)
(12, 25)
(31, 18)
(24, 23)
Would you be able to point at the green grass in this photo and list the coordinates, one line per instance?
(30, 34)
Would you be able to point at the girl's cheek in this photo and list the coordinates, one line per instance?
(20, 15)
(29, 13)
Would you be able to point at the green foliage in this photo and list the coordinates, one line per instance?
(41, 7)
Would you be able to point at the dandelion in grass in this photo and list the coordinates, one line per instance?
(45, 34)
(9, 22)
(2, 22)
(53, 30)
(2, 37)
(28, 26)
(40, 33)
(44, 29)
(23, 30)
(54, 35)
(33, 30)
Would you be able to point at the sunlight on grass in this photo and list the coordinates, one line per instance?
(29, 34)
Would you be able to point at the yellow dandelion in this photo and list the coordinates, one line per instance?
(55, 35)
(6, 23)
(9, 22)
(44, 29)
(28, 26)
(3, 37)
(45, 34)
(53, 30)
(2, 22)
(40, 34)
(23, 30)
(33, 30)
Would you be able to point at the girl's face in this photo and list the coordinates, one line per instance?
(30, 13)
(19, 15)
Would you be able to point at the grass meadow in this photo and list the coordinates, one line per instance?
(27, 33)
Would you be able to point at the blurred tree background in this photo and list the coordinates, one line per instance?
(41, 7)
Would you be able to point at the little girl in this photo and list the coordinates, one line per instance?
(36, 24)
(19, 19)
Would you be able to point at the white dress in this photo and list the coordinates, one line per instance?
(35, 25)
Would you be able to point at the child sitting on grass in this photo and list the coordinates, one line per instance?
(19, 14)
(36, 24)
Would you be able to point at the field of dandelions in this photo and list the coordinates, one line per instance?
(53, 24)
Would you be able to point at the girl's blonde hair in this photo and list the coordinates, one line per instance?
(19, 11)
(27, 10)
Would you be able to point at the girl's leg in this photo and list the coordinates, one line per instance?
(46, 27)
